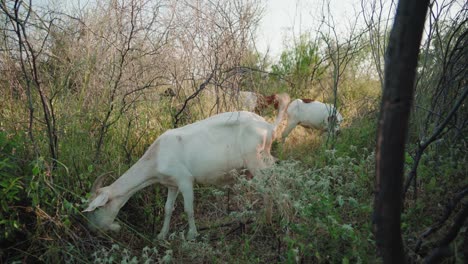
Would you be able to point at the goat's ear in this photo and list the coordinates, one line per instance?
(99, 201)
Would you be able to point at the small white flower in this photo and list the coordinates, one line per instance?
(167, 257)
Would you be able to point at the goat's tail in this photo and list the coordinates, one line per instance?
(283, 102)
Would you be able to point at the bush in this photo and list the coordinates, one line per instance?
(325, 210)
(11, 190)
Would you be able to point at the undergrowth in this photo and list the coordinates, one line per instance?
(322, 194)
(320, 216)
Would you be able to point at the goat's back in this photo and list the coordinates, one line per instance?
(209, 148)
(312, 114)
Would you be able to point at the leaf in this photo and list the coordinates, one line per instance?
(347, 227)
(35, 170)
(432, 184)
(340, 200)
(67, 223)
(353, 202)
(345, 260)
(408, 158)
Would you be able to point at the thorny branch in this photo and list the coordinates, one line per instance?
(448, 211)
(194, 95)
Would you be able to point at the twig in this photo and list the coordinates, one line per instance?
(225, 225)
(195, 94)
(422, 146)
(442, 251)
(448, 211)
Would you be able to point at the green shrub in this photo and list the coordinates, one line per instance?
(326, 210)
(11, 189)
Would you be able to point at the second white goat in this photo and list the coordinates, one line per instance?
(312, 114)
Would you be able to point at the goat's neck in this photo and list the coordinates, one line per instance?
(139, 176)
(283, 105)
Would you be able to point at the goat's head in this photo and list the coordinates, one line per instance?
(102, 208)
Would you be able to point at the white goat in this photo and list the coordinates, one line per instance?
(312, 114)
(204, 152)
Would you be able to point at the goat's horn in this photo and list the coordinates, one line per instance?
(98, 182)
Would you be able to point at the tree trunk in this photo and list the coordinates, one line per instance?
(400, 69)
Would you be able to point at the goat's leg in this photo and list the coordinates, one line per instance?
(186, 189)
(255, 166)
(168, 209)
(289, 127)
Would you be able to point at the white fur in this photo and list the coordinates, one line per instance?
(311, 115)
(203, 152)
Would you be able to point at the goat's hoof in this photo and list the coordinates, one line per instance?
(192, 235)
(161, 236)
(114, 227)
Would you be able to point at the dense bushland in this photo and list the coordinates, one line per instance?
(86, 95)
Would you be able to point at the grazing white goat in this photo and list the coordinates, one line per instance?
(205, 152)
(312, 114)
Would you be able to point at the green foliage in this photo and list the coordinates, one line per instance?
(441, 168)
(9, 195)
(324, 208)
(11, 188)
(300, 65)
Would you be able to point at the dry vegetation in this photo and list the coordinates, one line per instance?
(84, 92)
